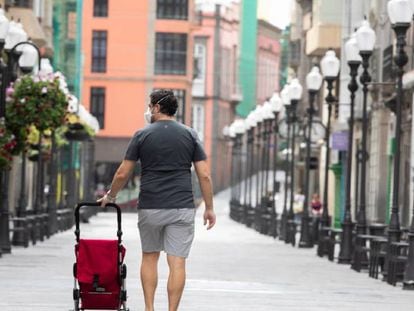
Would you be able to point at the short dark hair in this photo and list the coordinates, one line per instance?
(167, 101)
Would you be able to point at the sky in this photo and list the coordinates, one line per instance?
(276, 12)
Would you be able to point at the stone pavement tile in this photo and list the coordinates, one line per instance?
(230, 268)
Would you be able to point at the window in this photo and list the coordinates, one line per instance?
(180, 115)
(98, 104)
(170, 53)
(21, 3)
(100, 8)
(199, 61)
(172, 9)
(198, 120)
(99, 45)
(199, 69)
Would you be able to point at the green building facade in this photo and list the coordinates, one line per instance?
(248, 51)
(67, 38)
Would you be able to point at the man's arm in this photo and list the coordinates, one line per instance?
(120, 179)
(204, 179)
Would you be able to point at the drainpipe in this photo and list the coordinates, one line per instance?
(216, 93)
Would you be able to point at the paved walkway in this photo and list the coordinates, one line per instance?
(230, 268)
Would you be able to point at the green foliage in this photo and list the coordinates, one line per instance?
(7, 146)
(34, 102)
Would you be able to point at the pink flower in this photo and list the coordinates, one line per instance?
(9, 91)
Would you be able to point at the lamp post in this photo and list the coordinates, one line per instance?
(245, 205)
(21, 54)
(276, 104)
(313, 83)
(365, 37)
(400, 13)
(330, 69)
(259, 165)
(240, 169)
(251, 123)
(265, 203)
(283, 224)
(353, 58)
(239, 129)
(295, 93)
(232, 136)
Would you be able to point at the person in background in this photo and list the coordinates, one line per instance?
(316, 205)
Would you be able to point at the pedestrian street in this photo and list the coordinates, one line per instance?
(230, 268)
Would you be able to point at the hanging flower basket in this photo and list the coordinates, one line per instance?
(32, 101)
(76, 130)
(77, 135)
(7, 146)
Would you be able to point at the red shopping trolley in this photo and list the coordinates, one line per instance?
(99, 270)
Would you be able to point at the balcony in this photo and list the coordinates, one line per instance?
(322, 37)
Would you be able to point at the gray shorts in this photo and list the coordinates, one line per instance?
(171, 230)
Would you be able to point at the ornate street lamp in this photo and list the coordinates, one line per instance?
(286, 102)
(232, 135)
(251, 123)
(330, 66)
(259, 164)
(277, 105)
(313, 83)
(295, 93)
(14, 40)
(265, 202)
(365, 37)
(353, 57)
(400, 13)
(239, 129)
(245, 206)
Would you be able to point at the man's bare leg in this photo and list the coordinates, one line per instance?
(176, 281)
(149, 278)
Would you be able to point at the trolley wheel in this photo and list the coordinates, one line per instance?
(74, 270)
(123, 295)
(123, 271)
(76, 294)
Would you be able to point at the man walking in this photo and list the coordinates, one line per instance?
(166, 150)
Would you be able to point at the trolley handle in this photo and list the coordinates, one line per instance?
(82, 204)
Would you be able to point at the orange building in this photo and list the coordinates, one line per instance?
(130, 48)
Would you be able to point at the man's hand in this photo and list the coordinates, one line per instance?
(209, 218)
(106, 199)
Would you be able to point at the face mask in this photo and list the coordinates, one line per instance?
(147, 116)
(148, 113)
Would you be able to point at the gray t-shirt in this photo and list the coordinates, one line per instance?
(166, 150)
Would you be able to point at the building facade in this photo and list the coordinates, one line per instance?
(67, 34)
(319, 25)
(268, 60)
(216, 90)
(128, 51)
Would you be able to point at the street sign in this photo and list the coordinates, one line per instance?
(340, 140)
